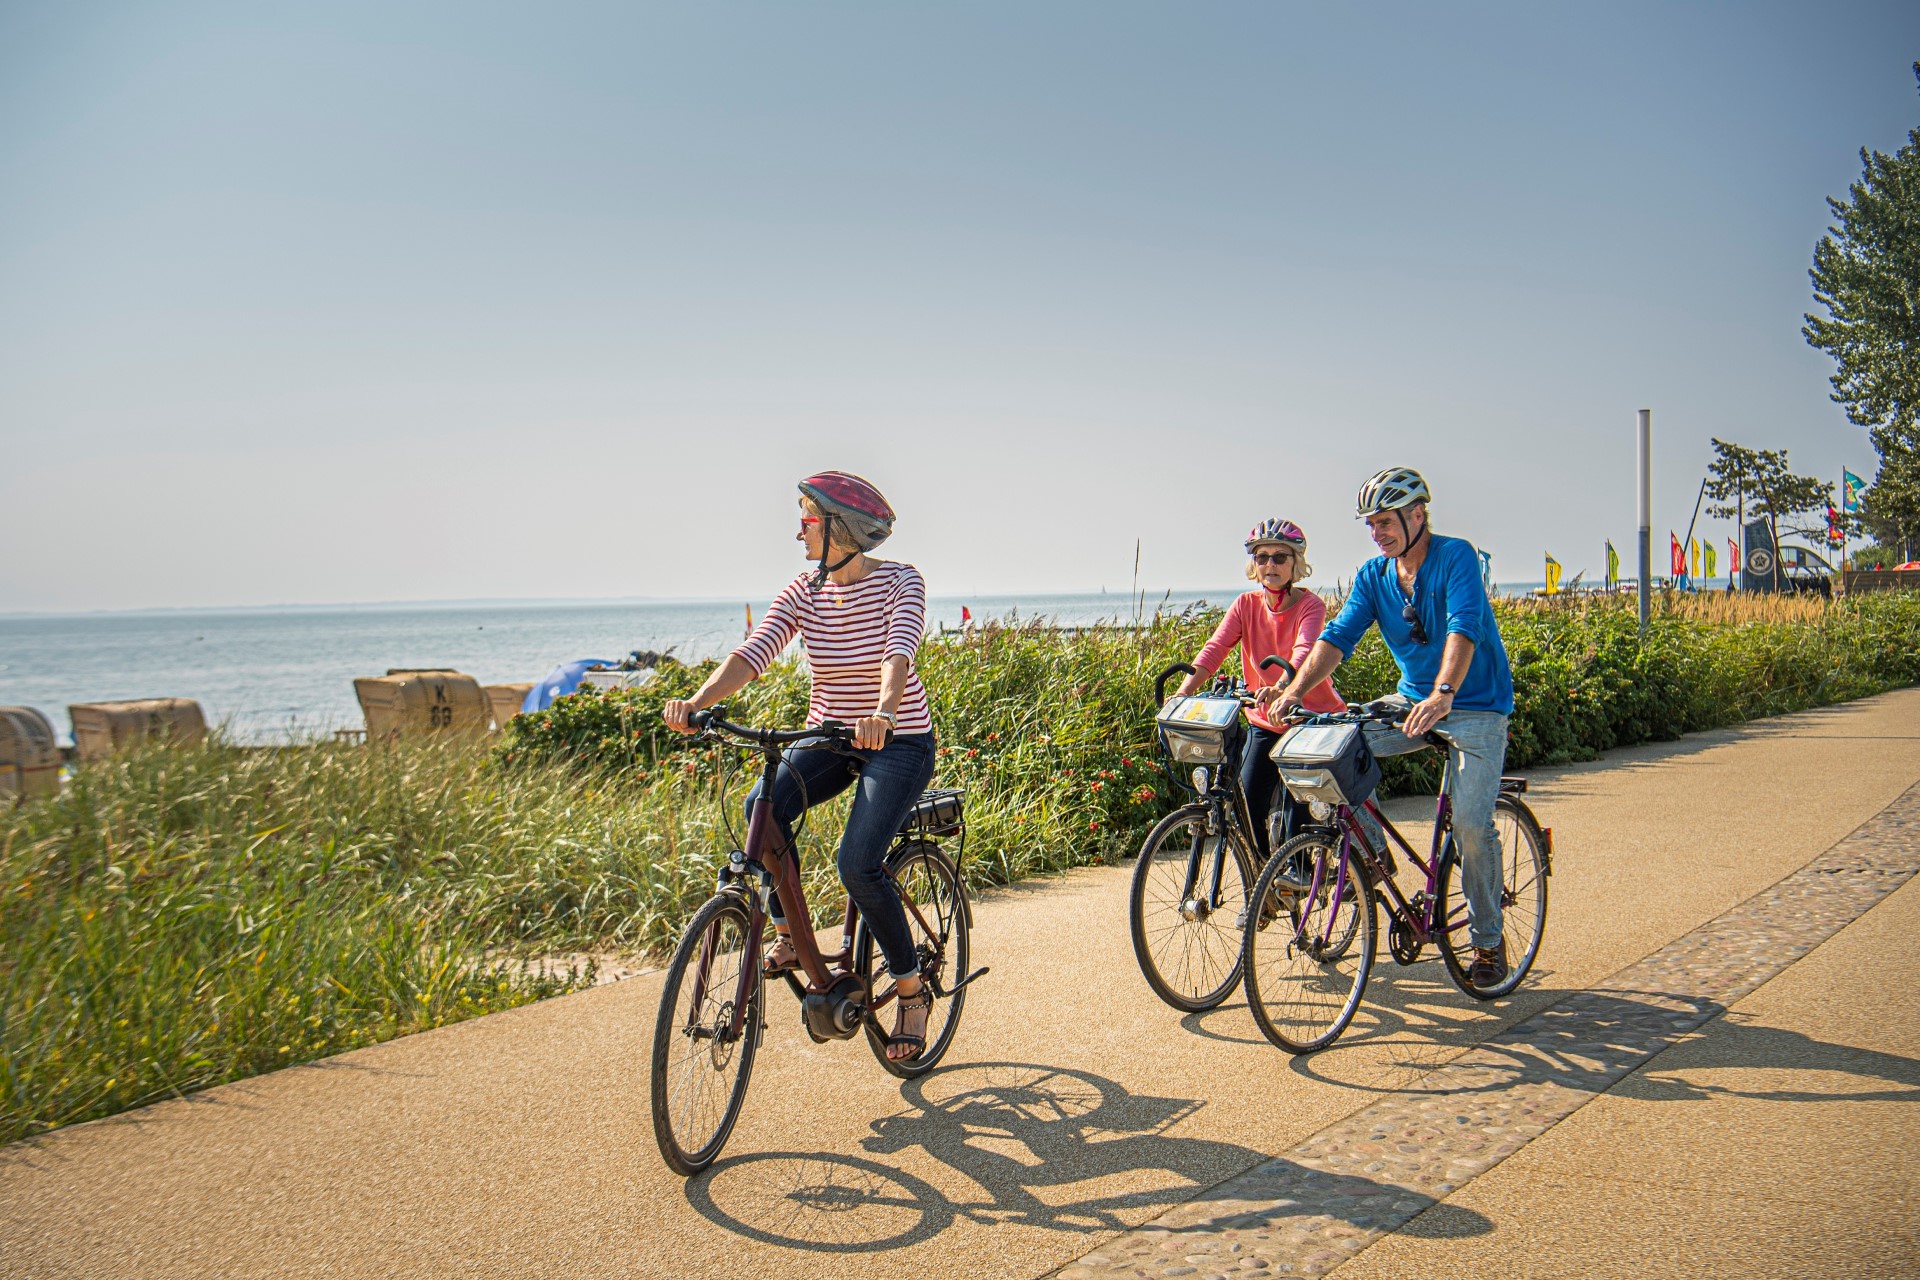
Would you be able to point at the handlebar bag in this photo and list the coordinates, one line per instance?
(1197, 730)
(1327, 762)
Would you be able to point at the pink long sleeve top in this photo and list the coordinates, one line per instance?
(1259, 631)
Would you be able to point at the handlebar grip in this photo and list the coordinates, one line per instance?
(1275, 660)
(702, 718)
(1160, 681)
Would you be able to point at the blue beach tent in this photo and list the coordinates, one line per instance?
(559, 682)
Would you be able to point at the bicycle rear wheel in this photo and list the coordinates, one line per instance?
(940, 923)
(1185, 935)
(1523, 899)
(700, 1064)
(1308, 951)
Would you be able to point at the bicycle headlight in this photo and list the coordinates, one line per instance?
(1321, 810)
(1200, 779)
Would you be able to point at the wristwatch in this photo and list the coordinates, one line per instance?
(889, 717)
(1444, 687)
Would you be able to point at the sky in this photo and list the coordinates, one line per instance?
(357, 302)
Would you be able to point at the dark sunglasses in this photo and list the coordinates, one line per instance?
(1271, 557)
(1416, 629)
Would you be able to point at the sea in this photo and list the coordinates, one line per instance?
(286, 674)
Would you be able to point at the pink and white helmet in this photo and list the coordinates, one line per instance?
(852, 501)
(1284, 532)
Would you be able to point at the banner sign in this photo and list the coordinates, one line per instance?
(1757, 571)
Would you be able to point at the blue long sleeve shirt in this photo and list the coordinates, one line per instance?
(1449, 598)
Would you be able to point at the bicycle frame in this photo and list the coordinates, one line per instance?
(768, 859)
(1420, 917)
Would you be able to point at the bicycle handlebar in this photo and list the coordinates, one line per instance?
(1379, 710)
(1160, 681)
(830, 731)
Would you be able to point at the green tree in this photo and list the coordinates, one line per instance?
(1866, 273)
(1890, 507)
(1740, 480)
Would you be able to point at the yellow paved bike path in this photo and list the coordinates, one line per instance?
(1074, 1104)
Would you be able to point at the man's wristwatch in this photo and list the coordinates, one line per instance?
(889, 717)
(1444, 687)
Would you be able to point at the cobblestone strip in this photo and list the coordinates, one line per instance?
(1308, 1211)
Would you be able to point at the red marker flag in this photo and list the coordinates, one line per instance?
(966, 616)
(1679, 557)
(1733, 558)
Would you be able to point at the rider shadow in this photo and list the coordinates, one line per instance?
(1591, 1042)
(1045, 1147)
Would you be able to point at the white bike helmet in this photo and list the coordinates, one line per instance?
(1392, 489)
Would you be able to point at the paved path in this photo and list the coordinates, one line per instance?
(1077, 1108)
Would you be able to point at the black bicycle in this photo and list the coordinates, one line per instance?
(1197, 866)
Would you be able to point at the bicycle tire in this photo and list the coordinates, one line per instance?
(695, 1104)
(929, 877)
(1303, 992)
(1190, 962)
(1523, 899)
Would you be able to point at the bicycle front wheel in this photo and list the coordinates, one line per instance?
(1309, 945)
(940, 920)
(1188, 899)
(1523, 899)
(702, 1053)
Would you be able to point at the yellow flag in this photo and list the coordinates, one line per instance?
(1707, 548)
(1613, 564)
(1695, 573)
(1553, 575)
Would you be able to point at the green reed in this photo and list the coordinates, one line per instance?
(175, 918)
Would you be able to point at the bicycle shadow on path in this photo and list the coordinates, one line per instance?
(1049, 1148)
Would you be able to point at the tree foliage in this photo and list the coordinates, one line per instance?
(1760, 481)
(1866, 273)
(1890, 507)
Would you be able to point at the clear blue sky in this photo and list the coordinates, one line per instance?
(353, 302)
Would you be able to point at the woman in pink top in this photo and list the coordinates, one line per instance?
(861, 619)
(1278, 617)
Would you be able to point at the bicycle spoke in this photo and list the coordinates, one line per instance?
(1307, 964)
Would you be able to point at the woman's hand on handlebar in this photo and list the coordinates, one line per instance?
(676, 713)
(870, 732)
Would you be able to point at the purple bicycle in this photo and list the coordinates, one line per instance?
(1309, 944)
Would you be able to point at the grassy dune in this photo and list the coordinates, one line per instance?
(178, 918)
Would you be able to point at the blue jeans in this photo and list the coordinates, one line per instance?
(1259, 780)
(1478, 754)
(890, 779)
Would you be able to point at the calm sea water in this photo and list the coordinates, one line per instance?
(278, 674)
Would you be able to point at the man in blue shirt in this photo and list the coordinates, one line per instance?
(1426, 595)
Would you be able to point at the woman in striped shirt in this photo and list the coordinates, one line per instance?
(861, 619)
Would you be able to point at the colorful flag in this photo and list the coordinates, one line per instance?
(1486, 571)
(1733, 558)
(1850, 487)
(1677, 557)
(1553, 575)
(749, 619)
(1835, 537)
(1613, 565)
(1694, 547)
(966, 616)
(1707, 547)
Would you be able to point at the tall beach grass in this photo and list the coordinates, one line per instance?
(180, 917)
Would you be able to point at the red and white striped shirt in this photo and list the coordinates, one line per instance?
(848, 632)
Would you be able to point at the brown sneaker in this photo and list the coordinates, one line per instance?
(1489, 966)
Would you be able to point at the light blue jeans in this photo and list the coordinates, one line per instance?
(1474, 761)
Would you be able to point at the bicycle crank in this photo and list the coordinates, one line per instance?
(1402, 942)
